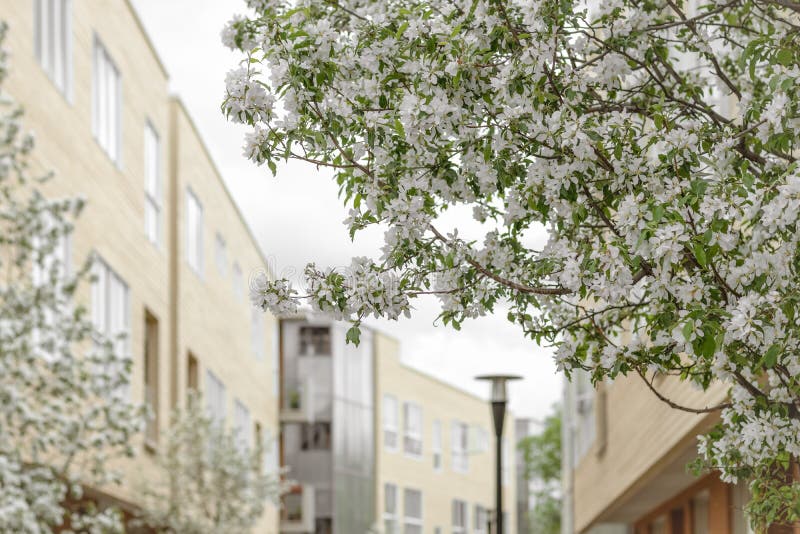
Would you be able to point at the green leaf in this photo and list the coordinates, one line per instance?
(709, 346)
(700, 254)
(688, 328)
(785, 57)
(771, 357)
(353, 335)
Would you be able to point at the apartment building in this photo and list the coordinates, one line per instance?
(376, 446)
(625, 461)
(172, 252)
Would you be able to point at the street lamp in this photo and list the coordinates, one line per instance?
(499, 399)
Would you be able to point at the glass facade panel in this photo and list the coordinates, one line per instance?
(353, 431)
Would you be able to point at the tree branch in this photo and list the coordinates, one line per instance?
(505, 281)
(677, 406)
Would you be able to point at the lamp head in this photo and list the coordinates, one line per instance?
(499, 390)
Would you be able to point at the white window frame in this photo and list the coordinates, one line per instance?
(106, 102)
(585, 423)
(242, 425)
(221, 254)
(412, 524)
(238, 281)
(52, 23)
(194, 232)
(390, 517)
(481, 436)
(459, 457)
(464, 509)
(436, 446)
(215, 396)
(153, 185)
(275, 357)
(271, 458)
(412, 429)
(507, 459)
(111, 316)
(390, 406)
(480, 520)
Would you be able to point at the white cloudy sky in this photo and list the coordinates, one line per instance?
(297, 216)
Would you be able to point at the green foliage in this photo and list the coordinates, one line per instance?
(542, 457)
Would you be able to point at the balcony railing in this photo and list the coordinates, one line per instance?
(297, 510)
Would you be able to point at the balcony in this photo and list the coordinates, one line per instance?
(297, 510)
(298, 402)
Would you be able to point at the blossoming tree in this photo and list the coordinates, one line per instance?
(61, 421)
(653, 140)
(210, 480)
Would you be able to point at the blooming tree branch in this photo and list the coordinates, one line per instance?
(653, 142)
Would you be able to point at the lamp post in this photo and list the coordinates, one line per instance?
(499, 399)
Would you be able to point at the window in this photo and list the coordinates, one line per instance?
(460, 436)
(258, 437)
(241, 425)
(53, 41)
(221, 255)
(315, 341)
(315, 437)
(151, 378)
(52, 264)
(257, 334)
(152, 185)
(507, 460)
(58, 258)
(436, 445)
(412, 429)
(412, 511)
(269, 449)
(106, 102)
(481, 439)
(194, 232)
(584, 413)
(192, 374)
(459, 517)
(700, 512)
(481, 523)
(271, 459)
(215, 398)
(110, 313)
(275, 355)
(238, 282)
(390, 422)
(390, 509)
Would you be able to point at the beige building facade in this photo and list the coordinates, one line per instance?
(436, 453)
(172, 252)
(625, 461)
(376, 446)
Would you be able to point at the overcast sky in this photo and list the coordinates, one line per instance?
(297, 217)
